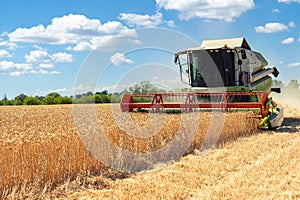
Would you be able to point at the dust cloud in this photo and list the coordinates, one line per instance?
(289, 100)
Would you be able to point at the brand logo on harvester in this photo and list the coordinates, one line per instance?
(138, 141)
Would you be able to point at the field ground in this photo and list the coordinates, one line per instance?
(263, 166)
(42, 157)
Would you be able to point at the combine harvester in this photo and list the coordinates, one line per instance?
(224, 75)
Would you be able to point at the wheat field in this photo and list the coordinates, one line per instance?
(42, 155)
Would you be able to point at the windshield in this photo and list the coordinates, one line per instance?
(212, 68)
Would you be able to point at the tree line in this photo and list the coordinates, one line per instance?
(56, 98)
(84, 98)
(106, 97)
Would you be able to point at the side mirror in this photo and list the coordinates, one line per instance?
(277, 90)
(243, 52)
(176, 59)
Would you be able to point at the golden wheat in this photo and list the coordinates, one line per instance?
(41, 148)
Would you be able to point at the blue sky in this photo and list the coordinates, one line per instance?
(91, 45)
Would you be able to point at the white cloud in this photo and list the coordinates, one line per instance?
(288, 40)
(82, 46)
(112, 88)
(4, 34)
(295, 64)
(62, 91)
(33, 72)
(23, 66)
(111, 27)
(137, 42)
(119, 59)
(276, 10)
(171, 23)
(76, 30)
(62, 30)
(46, 65)
(292, 24)
(37, 47)
(9, 65)
(42, 56)
(25, 72)
(10, 45)
(105, 42)
(38, 56)
(83, 87)
(288, 1)
(147, 21)
(4, 53)
(16, 69)
(21, 69)
(62, 57)
(18, 73)
(59, 90)
(271, 27)
(42, 71)
(217, 9)
(6, 65)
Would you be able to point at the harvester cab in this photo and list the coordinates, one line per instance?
(222, 74)
(226, 63)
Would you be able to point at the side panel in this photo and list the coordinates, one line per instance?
(263, 84)
(257, 61)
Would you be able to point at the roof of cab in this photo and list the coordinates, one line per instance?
(229, 42)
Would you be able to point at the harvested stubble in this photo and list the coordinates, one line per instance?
(261, 166)
(40, 146)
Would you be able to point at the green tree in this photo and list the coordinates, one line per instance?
(49, 100)
(85, 99)
(18, 103)
(40, 98)
(88, 94)
(104, 92)
(58, 100)
(143, 87)
(102, 98)
(116, 97)
(52, 98)
(106, 98)
(29, 100)
(19, 100)
(98, 98)
(9, 103)
(21, 97)
(78, 96)
(53, 94)
(66, 100)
